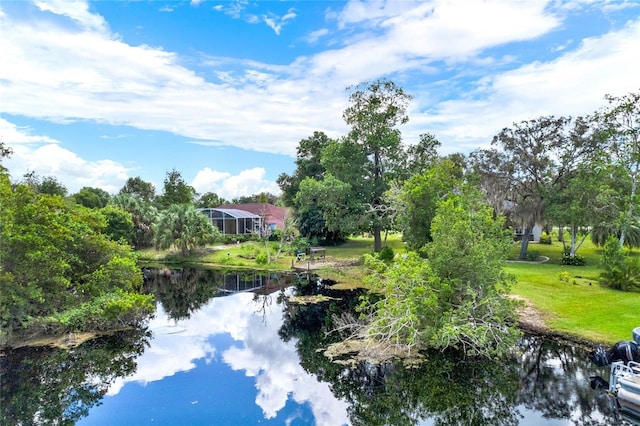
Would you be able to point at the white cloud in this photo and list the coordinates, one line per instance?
(573, 84)
(276, 22)
(63, 74)
(11, 135)
(67, 167)
(229, 186)
(314, 36)
(77, 10)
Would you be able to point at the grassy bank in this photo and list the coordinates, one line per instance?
(570, 298)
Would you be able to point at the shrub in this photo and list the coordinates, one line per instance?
(386, 254)
(249, 251)
(564, 276)
(621, 272)
(299, 244)
(545, 238)
(533, 255)
(261, 258)
(111, 310)
(576, 260)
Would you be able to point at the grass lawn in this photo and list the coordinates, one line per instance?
(579, 306)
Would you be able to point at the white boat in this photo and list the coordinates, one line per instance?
(624, 384)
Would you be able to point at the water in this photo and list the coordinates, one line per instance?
(229, 349)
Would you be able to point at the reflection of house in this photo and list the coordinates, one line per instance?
(272, 216)
(233, 221)
(261, 283)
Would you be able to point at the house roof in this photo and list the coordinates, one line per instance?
(272, 215)
(260, 209)
(239, 214)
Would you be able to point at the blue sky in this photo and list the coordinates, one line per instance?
(223, 91)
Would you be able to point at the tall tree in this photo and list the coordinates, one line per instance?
(307, 211)
(620, 122)
(589, 200)
(210, 200)
(137, 186)
(93, 198)
(308, 164)
(143, 214)
(419, 197)
(422, 155)
(44, 185)
(372, 149)
(536, 159)
(176, 191)
(5, 152)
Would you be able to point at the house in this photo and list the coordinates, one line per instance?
(233, 221)
(273, 217)
(508, 207)
(246, 218)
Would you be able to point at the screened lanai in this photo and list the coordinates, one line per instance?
(233, 221)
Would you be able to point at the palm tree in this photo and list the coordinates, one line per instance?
(184, 227)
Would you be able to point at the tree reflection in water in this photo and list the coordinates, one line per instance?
(544, 375)
(47, 385)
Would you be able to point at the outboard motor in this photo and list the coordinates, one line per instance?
(599, 357)
(636, 335)
(624, 350)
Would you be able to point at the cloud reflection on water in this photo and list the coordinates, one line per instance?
(258, 351)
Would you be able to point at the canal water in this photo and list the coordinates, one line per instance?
(230, 348)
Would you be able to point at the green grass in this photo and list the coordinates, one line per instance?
(579, 307)
(232, 255)
(356, 247)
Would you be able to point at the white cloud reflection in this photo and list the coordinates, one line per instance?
(259, 352)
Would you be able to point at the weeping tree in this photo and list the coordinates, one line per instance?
(535, 161)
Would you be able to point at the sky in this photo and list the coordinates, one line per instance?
(93, 93)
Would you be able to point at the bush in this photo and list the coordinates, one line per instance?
(109, 311)
(576, 260)
(234, 238)
(545, 238)
(275, 235)
(564, 276)
(249, 250)
(621, 272)
(299, 244)
(533, 255)
(386, 254)
(261, 258)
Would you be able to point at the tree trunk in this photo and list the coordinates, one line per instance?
(525, 242)
(634, 188)
(377, 239)
(574, 239)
